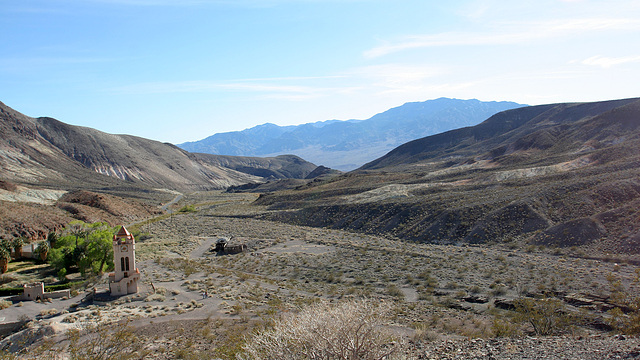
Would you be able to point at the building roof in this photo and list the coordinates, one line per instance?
(123, 232)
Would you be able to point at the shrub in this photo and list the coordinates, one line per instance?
(546, 316)
(475, 289)
(452, 285)
(69, 285)
(503, 328)
(394, 291)
(11, 291)
(102, 342)
(498, 290)
(627, 321)
(155, 297)
(349, 330)
(188, 209)
(423, 332)
(62, 274)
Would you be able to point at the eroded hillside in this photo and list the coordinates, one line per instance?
(556, 175)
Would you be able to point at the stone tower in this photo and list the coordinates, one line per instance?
(126, 276)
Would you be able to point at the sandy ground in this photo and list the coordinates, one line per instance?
(176, 298)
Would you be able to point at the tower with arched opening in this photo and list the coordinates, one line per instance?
(124, 280)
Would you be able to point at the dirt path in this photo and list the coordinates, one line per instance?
(203, 248)
(165, 207)
(410, 294)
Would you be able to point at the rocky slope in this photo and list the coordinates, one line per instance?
(135, 159)
(279, 167)
(49, 152)
(42, 159)
(557, 175)
(36, 220)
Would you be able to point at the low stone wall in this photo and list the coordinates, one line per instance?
(46, 295)
(58, 294)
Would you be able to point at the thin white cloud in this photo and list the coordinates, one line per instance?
(398, 72)
(287, 88)
(239, 3)
(507, 33)
(388, 78)
(396, 78)
(607, 62)
(292, 78)
(206, 86)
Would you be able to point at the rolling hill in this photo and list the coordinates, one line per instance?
(556, 175)
(49, 152)
(43, 160)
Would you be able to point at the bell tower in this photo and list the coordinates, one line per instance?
(124, 280)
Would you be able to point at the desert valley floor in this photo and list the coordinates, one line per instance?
(446, 301)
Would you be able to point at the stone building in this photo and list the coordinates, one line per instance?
(35, 291)
(124, 280)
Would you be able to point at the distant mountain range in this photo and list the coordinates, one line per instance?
(346, 145)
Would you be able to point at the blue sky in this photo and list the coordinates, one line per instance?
(181, 70)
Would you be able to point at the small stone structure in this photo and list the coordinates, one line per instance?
(221, 244)
(223, 247)
(124, 280)
(28, 251)
(33, 291)
(36, 291)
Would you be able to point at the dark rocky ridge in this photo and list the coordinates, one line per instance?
(279, 167)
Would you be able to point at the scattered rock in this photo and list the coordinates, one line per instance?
(504, 304)
(476, 299)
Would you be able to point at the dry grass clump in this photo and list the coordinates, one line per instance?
(349, 330)
(105, 343)
(4, 304)
(627, 320)
(155, 297)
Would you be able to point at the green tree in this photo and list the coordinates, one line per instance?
(6, 244)
(77, 228)
(43, 250)
(99, 250)
(5, 257)
(17, 244)
(52, 238)
(86, 247)
(61, 258)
